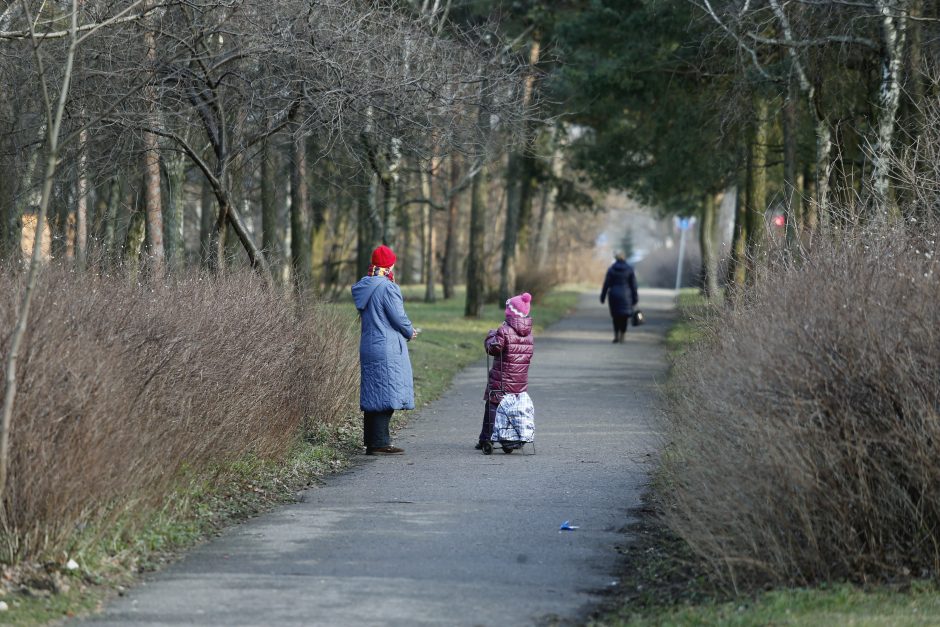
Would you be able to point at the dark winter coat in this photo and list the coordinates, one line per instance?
(511, 346)
(620, 289)
(383, 349)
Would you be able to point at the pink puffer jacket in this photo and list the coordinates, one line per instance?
(511, 346)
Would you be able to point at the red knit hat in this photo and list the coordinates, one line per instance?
(383, 257)
(518, 306)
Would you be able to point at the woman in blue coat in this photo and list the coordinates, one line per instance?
(385, 368)
(620, 290)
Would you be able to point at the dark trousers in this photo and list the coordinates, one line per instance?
(620, 324)
(489, 421)
(375, 428)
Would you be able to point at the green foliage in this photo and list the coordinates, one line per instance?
(632, 78)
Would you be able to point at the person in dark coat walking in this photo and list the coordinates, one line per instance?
(384, 365)
(620, 292)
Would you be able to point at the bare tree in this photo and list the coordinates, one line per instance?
(54, 105)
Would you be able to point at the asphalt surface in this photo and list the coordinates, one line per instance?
(444, 535)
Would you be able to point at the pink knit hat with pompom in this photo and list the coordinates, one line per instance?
(518, 306)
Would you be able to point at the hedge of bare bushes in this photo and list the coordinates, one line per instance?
(805, 429)
(125, 392)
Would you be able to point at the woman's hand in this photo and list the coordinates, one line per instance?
(414, 334)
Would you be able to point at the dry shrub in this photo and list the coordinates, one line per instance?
(536, 281)
(805, 428)
(125, 392)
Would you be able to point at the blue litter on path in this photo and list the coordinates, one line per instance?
(565, 526)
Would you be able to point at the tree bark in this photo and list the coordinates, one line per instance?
(175, 182)
(81, 201)
(429, 246)
(737, 266)
(270, 229)
(450, 241)
(546, 224)
(893, 33)
(299, 216)
(208, 215)
(364, 239)
(507, 272)
(151, 164)
(134, 242)
(707, 244)
(476, 264)
(790, 132)
(757, 185)
(109, 237)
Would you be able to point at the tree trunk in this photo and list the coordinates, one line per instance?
(404, 264)
(364, 223)
(810, 215)
(317, 239)
(151, 147)
(790, 132)
(109, 237)
(208, 215)
(58, 219)
(476, 263)
(390, 180)
(893, 33)
(299, 216)
(175, 182)
(707, 244)
(823, 171)
(270, 229)
(133, 243)
(546, 223)
(450, 240)
(915, 66)
(757, 185)
(507, 271)
(429, 248)
(11, 230)
(81, 201)
(737, 264)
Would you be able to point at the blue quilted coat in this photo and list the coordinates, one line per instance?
(383, 350)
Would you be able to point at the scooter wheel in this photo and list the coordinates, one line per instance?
(487, 448)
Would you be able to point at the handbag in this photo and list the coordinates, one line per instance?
(638, 318)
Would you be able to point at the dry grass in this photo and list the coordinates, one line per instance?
(127, 392)
(536, 281)
(805, 426)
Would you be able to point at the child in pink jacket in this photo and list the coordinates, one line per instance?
(512, 347)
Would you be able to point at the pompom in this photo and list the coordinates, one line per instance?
(526, 297)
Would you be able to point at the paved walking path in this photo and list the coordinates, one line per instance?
(444, 535)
